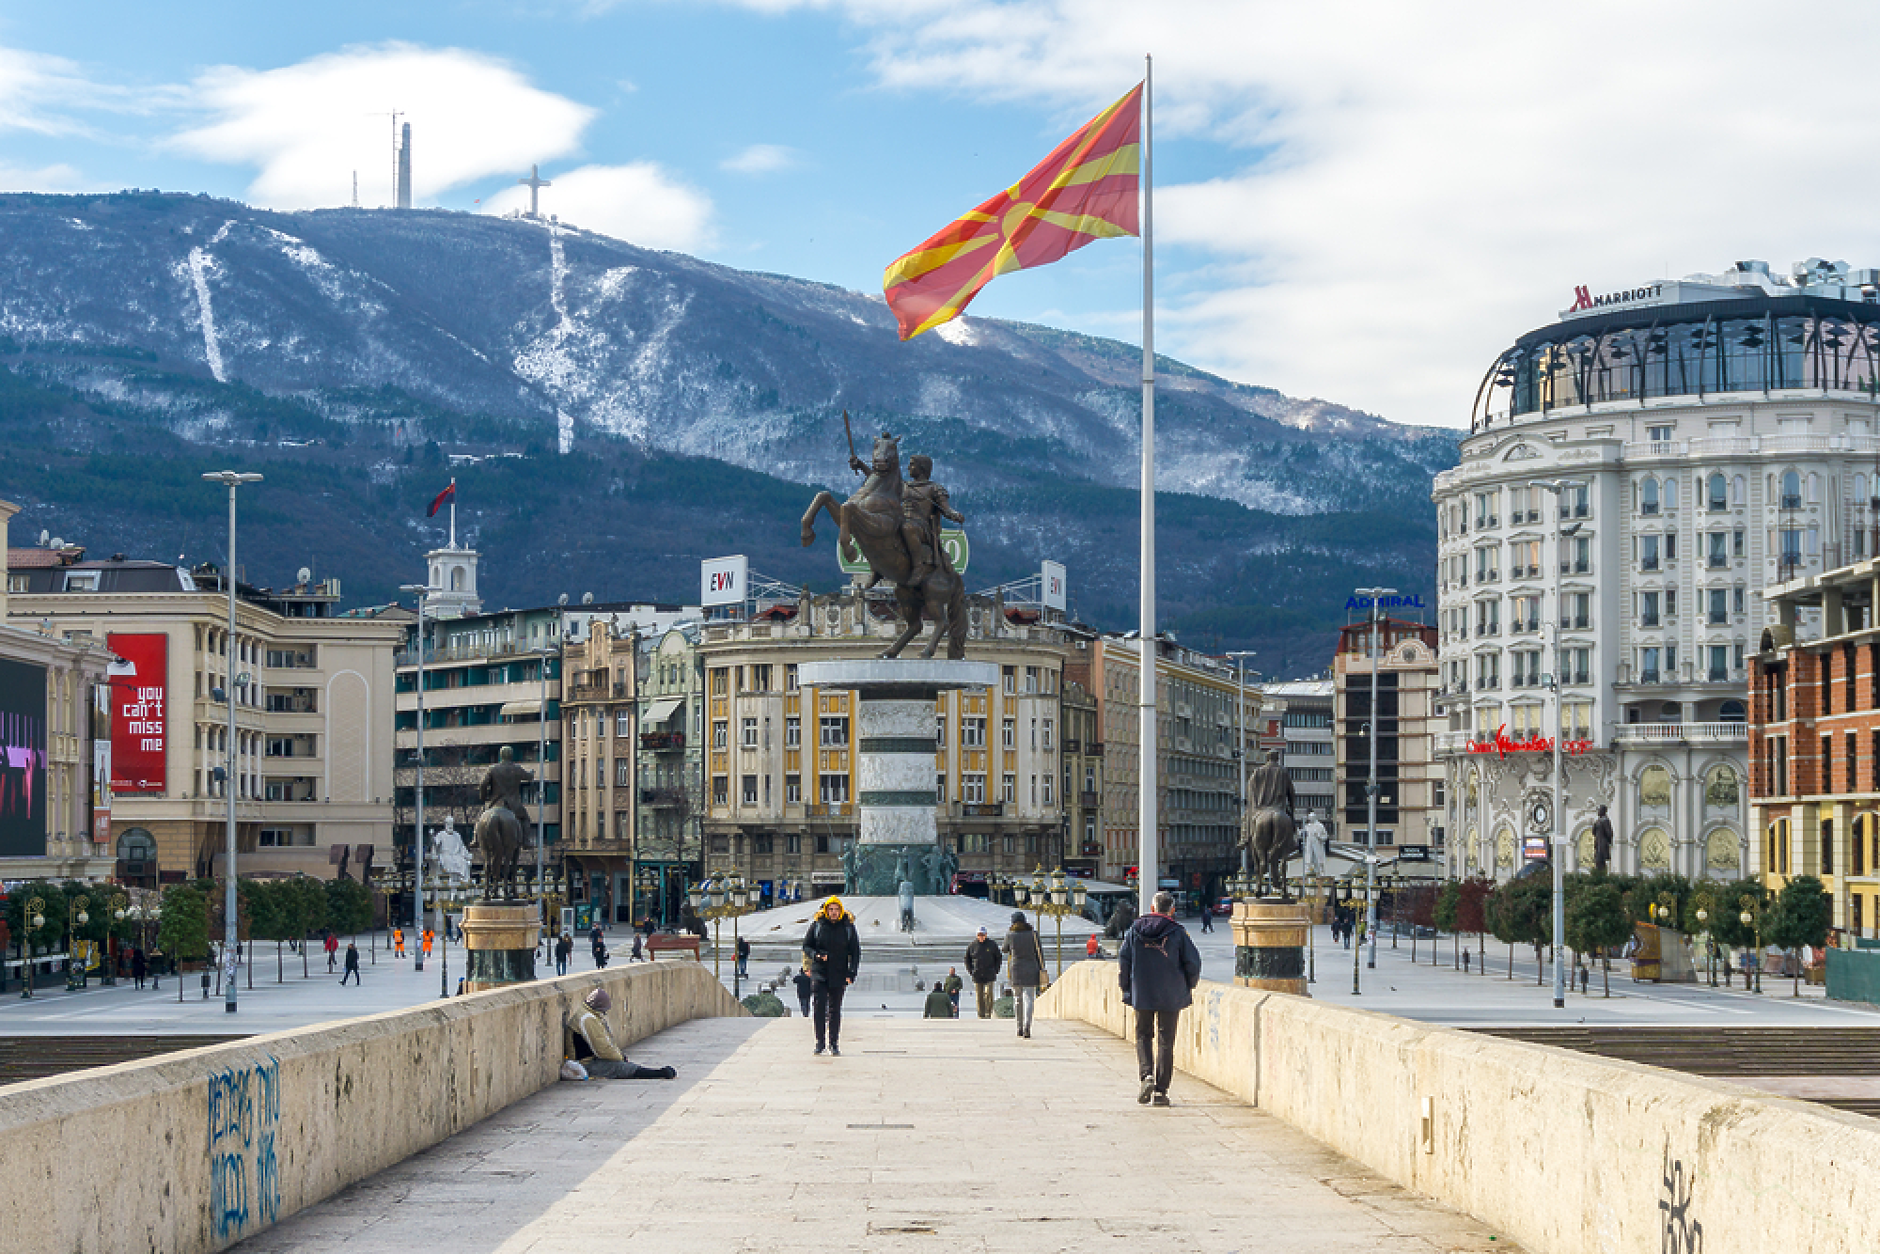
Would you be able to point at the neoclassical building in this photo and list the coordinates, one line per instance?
(1720, 434)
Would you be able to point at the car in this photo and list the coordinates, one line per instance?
(1224, 906)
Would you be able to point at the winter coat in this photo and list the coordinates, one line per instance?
(352, 957)
(837, 945)
(953, 985)
(983, 961)
(1159, 965)
(939, 1005)
(1027, 955)
(802, 982)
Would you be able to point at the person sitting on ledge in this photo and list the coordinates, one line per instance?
(592, 1045)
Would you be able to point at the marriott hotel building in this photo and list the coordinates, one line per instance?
(1724, 431)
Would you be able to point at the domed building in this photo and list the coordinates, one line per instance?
(1703, 438)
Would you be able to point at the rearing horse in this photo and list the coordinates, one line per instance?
(871, 522)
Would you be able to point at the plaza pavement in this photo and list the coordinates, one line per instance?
(923, 1135)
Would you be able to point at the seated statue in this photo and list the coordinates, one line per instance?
(592, 1045)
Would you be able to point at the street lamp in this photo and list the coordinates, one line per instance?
(417, 836)
(1710, 948)
(1559, 487)
(541, 760)
(232, 480)
(75, 918)
(1240, 657)
(32, 918)
(116, 907)
(1376, 597)
(719, 897)
(1058, 899)
(1752, 918)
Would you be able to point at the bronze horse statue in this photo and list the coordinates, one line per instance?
(871, 521)
(500, 838)
(1270, 840)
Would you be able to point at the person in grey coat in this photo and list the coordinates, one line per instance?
(1026, 969)
(1158, 969)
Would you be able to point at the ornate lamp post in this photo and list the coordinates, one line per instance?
(1703, 922)
(417, 833)
(1751, 918)
(719, 897)
(75, 918)
(32, 918)
(116, 907)
(1057, 899)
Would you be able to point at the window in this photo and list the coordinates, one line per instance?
(760, 677)
(1008, 786)
(940, 733)
(1576, 609)
(1048, 723)
(1527, 614)
(1575, 667)
(1526, 559)
(973, 733)
(1659, 435)
(720, 730)
(789, 685)
(1520, 502)
(1488, 670)
(1719, 611)
(1718, 495)
(1648, 552)
(750, 790)
(1045, 786)
(792, 732)
(720, 790)
(1008, 733)
(1648, 609)
(623, 772)
(1718, 554)
(833, 731)
(792, 793)
(1031, 679)
(1486, 563)
(1719, 663)
(1648, 496)
(1582, 559)
(1791, 541)
(1791, 490)
(1736, 543)
(972, 789)
(747, 733)
(832, 789)
(1008, 678)
(1488, 617)
(1648, 665)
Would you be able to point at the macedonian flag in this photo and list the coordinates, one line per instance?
(1085, 190)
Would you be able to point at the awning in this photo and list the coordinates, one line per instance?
(663, 709)
(520, 709)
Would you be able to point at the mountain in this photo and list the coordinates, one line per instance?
(634, 411)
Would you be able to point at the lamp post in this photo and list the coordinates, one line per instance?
(32, 918)
(1710, 953)
(1240, 657)
(75, 918)
(1751, 917)
(1061, 896)
(541, 758)
(1559, 487)
(116, 907)
(1376, 596)
(719, 897)
(417, 836)
(232, 480)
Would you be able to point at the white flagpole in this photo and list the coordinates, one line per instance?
(1148, 855)
(453, 512)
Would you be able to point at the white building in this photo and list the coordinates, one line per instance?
(1724, 431)
(1304, 707)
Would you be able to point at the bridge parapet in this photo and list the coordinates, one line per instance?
(193, 1151)
(1564, 1152)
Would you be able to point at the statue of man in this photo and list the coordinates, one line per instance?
(502, 786)
(452, 858)
(1602, 841)
(1312, 836)
(923, 504)
(1269, 787)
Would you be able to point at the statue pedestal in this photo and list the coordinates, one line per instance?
(894, 740)
(499, 943)
(1270, 945)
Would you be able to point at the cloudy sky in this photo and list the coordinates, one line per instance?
(1356, 201)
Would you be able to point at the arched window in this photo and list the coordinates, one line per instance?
(1739, 489)
(1791, 490)
(1814, 489)
(1671, 712)
(1648, 496)
(1718, 495)
(456, 579)
(1730, 712)
(1671, 493)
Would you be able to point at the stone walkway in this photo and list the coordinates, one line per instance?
(947, 1136)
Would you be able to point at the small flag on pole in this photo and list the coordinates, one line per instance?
(444, 498)
(1085, 190)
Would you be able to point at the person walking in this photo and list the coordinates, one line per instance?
(982, 964)
(744, 957)
(352, 965)
(332, 950)
(953, 986)
(1207, 916)
(803, 985)
(564, 950)
(398, 942)
(140, 966)
(639, 947)
(1157, 969)
(1027, 969)
(832, 952)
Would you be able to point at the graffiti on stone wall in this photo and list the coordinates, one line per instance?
(1679, 1233)
(244, 1177)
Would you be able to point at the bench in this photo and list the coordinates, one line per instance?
(659, 945)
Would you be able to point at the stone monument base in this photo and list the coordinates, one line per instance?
(499, 942)
(878, 870)
(1270, 945)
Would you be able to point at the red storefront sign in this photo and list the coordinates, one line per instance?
(1503, 745)
(140, 716)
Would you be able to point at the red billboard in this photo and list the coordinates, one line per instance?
(140, 716)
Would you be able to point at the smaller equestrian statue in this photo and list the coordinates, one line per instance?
(895, 522)
(1268, 834)
(499, 829)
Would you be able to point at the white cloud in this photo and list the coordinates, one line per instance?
(50, 178)
(640, 203)
(309, 126)
(1424, 183)
(762, 159)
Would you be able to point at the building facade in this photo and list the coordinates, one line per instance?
(1722, 431)
(313, 709)
(1305, 709)
(599, 729)
(670, 840)
(1814, 741)
(1410, 784)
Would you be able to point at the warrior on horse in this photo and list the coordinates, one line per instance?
(499, 829)
(1268, 834)
(895, 522)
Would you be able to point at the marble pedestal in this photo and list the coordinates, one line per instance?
(894, 738)
(499, 942)
(1270, 945)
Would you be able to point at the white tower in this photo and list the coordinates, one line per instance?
(454, 572)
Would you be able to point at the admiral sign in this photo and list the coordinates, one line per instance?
(1385, 603)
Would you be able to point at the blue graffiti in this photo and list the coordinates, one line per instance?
(244, 1177)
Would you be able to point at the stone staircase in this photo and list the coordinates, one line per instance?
(35, 1057)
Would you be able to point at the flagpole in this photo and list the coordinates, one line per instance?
(453, 513)
(1148, 855)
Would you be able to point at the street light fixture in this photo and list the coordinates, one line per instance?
(1240, 657)
(417, 836)
(32, 918)
(116, 908)
(1376, 597)
(75, 918)
(1559, 487)
(1751, 917)
(231, 479)
(1057, 899)
(719, 897)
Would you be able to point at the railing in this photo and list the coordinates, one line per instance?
(1675, 733)
(662, 798)
(588, 692)
(662, 741)
(1088, 800)
(1073, 746)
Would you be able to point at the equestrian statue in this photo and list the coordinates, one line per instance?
(1268, 834)
(895, 523)
(499, 829)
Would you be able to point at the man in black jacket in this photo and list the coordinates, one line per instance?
(1158, 969)
(832, 950)
(983, 961)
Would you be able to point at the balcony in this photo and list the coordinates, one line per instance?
(981, 809)
(1088, 800)
(1680, 733)
(1648, 563)
(829, 809)
(1073, 746)
(1718, 561)
(662, 742)
(662, 798)
(1648, 677)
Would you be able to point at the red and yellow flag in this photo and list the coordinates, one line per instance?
(1085, 190)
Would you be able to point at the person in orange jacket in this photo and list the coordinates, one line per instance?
(398, 942)
(429, 935)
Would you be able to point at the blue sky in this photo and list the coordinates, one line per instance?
(1357, 201)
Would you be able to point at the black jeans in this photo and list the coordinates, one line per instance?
(827, 998)
(1155, 1046)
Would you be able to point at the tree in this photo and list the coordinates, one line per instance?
(1472, 913)
(1726, 922)
(1500, 923)
(1801, 917)
(261, 902)
(52, 914)
(183, 928)
(1597, 922)
(348, 906)
(1448, 897)
(303, 907)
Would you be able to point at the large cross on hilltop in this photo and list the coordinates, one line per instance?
(535, 183)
